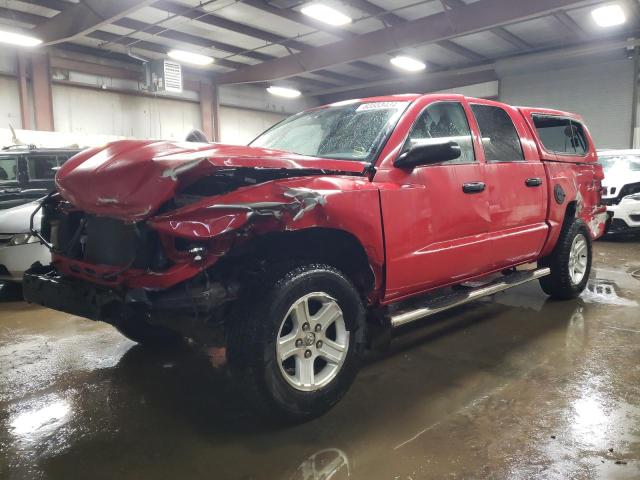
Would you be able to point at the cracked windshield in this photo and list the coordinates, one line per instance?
(347, 132)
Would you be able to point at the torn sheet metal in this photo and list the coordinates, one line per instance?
(303, 201)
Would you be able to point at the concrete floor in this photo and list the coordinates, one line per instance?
(514, 387)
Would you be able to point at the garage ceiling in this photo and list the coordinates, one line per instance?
(263, 41)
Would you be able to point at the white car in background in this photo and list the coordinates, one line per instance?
(621, 188)
(18, 248)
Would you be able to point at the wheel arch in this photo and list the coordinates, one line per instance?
(338, 248)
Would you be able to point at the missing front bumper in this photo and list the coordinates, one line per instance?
(191, 308)
(43, 285)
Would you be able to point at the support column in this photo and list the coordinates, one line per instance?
(209, 111)
(216, 113)
(42, 97)
(23, 90)
(634, 105)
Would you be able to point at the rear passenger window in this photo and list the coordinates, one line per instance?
(499, 136)
(445, 120)
(561, 135)
(42, 167)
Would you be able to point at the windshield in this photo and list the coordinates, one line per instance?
(8, 168)
(346, 132)
(620, 163)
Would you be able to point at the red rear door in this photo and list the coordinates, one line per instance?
(516, 184)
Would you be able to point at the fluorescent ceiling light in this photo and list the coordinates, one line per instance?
(284, 92)
(190, 57)
(326, 14)
(18, 39)
(408, 63)
(609, 15)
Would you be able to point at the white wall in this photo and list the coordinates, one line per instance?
(9, 103)
(600, 92)
(89, 113)
(239, 126)
(83, 110)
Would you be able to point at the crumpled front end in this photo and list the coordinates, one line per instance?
(187, 250)
(169, 248)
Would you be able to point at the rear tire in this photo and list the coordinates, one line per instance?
(295, 345)
(570, 262)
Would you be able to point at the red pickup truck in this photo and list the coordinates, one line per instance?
(353, 217)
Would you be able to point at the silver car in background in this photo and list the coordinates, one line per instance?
(18, 248)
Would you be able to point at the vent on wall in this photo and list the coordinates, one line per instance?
(166, 76)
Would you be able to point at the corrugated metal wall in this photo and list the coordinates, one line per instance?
(600, 92)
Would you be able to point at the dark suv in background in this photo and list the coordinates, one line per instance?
(27, 172)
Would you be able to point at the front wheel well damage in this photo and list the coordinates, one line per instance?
(334, 247)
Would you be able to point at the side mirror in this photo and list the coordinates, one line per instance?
(428, 152)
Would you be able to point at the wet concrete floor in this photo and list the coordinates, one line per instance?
(514, 387)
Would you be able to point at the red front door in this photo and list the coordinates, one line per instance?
(435, 217)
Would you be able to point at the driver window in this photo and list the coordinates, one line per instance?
(445, 120)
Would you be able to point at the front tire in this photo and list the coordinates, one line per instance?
(570, 262)
(295, 346)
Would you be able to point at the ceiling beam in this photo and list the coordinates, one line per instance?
(511, 38)
(201, 15)
(340, 77)
(462, 51)
(369, 67)
(312, 82)
(569, 23)
(188, 38)
(306, 84)
(58, 5)
(300, 18)
(124, 41)
(156, 29)
(22, 17)
(367, 7)
(475, 17)
(388, 18)
(83, 18)
(374, 10)
(501, 32)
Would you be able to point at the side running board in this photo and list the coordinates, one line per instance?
(434, 305)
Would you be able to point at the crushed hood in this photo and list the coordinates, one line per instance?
(131, 179)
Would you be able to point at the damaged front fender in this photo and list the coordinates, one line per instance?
(349, 204)
(205, 220)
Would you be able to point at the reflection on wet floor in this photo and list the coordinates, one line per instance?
(516, 386)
